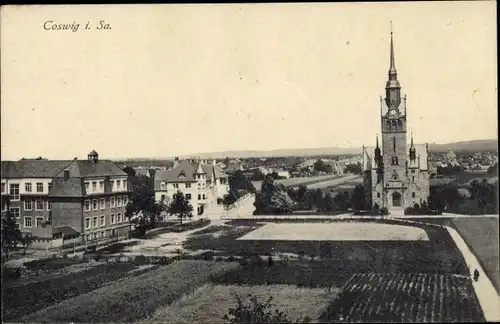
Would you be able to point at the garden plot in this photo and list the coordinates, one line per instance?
(339, 231)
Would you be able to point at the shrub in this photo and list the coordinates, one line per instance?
(409, 211)
(384, 211)
(270, 261)
(254, 311)
(11, 273)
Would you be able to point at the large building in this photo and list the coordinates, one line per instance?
(396, 175)
(203, 183)
(66, 202)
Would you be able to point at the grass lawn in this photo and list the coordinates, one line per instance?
(209, 303)
(481, 235)
(135, 298)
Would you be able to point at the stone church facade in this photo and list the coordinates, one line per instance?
(396, 174)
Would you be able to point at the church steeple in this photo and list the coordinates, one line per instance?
(412, 149)
(392, 88)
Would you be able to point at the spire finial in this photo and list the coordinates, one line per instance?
(412, 139)
(377, 140)
(392, 69)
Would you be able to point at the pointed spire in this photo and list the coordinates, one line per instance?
(377, 141)
(392, 69)
(411, 139)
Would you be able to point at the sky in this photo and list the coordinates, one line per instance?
(170, 80)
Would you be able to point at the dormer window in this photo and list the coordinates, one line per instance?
(162, 185)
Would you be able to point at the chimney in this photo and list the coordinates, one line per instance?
(176, 161)
(66, 175)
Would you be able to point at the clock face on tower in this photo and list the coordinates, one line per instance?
(393, 112)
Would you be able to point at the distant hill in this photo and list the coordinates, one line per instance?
(465, 146)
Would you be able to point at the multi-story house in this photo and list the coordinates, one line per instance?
(204, 184)
(61, 202)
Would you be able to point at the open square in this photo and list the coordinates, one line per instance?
(337, 231)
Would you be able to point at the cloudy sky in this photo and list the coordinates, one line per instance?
(171, 80)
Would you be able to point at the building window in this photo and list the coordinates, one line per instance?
(94, 221)
(39, 187)
(395, 161)
(87, 223)
(112, 202)
(94, 204)
(102, 221)
(27, 221)
(94, 186)
(28, 205)
(39, 205)
(378, 194)
(88, 238)
(394, 143)
(101, 185)
(119, 217)
(118, 201)
(49, 206)
(162, 185)
(204, 197)
(87, 186)
(95, 236)
(163, 198)
(87, 205)
(39, 221)
(413, 195)
(118, 184)
(413, 179)
(102, 203)
(14, 192)
(27, 187)
(199, 197)
(113, 218)
(188, 196)
(176, 185)
(3, 187)
(16, 212)
(49, 185)
(188, 185)
(124, 184)
(125, 200)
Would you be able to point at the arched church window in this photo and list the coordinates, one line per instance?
(393, 125)
(400, 125)
(394, 144)
(378, 194)
(388, 125)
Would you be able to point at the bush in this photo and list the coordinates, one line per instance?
(11, 273)
(384, 211)
(409, 211)
(255, 311)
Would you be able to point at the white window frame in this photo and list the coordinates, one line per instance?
(94, 186)
(95, 222)
(124, 184)
(36, 205)
(102, 203)
(49, 205)
(118, 201)
(88, 237)
(28, 187)
(96, 204)
(102, 220)
(188, 196)
(89, 223)
(36, 221)
(112, 218)
(101, 185)
(3, 187)
(112, 202)
(162, 185)
(87, 186)
(188, 185)
(13, 197)
(31, 221)
(18, 212)
(39, 183)
(118, 184)
(118, 218)
(89, 205)
(31, 204)
(125, 201)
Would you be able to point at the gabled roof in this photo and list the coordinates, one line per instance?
(86, 168)
(184, 172)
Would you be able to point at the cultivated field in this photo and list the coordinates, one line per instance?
(409, 298)
(300, 181)
(209, 303)
(336, 231)
(348, 182)
(135, 298)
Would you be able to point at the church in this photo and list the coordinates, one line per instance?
(396, 174)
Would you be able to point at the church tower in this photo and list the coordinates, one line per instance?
(394, 147)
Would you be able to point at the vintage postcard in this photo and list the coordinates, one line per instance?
(250, 163)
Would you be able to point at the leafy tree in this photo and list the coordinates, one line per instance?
(353, 168)
(27, 240)
(130, 171)
(493, 170)
(341, 201)
(142, 209)
(180, 206)
(273, 198)
(329, 203)
(320, 166)
(358, 198)
(11, 235)
(254, 311)
(238, 182)
(229, 199)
